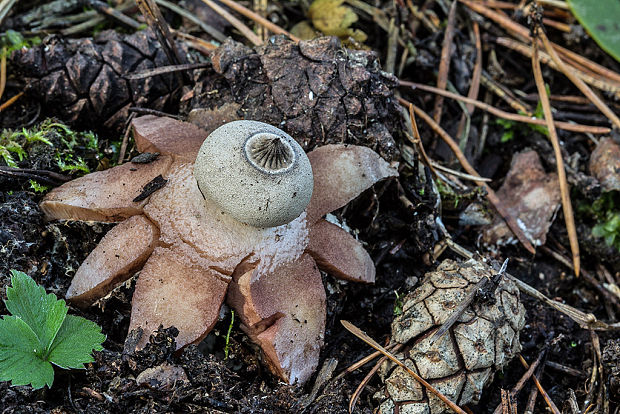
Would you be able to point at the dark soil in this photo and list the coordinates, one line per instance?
(353, 101)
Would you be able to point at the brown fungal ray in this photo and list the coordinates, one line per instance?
(341, 173)
(283, 312)
(168, 136)
(122, 251)
(103, 195)
(172, 291)
(339, 254)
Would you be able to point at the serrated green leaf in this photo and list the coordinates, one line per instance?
(42, 312)
(41, 333)
(601, 19)
(75, 341)
(19, 347)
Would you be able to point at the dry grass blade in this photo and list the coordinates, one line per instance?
(519, 385)
(210, 30)
(358, 391)
(598, 102)
(555, 142)
(474, 87)
(417, 141)
(505, 94)
(522, 33)
(507, 115)
(362, 335)
(258, 19)
(542, 391)
(444, 63)
(10, 101)
(510, 221)
(156, 21)
(2, 72)
(237, 24)
(592, 78)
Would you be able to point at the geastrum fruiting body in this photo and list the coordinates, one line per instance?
(462, 361)
(193, 254)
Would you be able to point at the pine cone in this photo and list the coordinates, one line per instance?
(82, 80)
(317, 91)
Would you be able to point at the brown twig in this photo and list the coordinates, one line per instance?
(505, 94)
(364, 337)
(555, 142)
(542, 391)
(522, 33)
(258, 19)
(417, 141)
(236, 23)
(591, 78)
(580, 84)
(510, 221)
(474, 87)
(103, 8)
(210, 30)
(444, 62)
(358, 391)
(10, 101)
(519, 385)
(507, 115)
(2, 71)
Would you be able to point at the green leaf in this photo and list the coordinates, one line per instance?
(601, 19)
(43, 313)
(75, 341)
(40, 333)
(19, 347)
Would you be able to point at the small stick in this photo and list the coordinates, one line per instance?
(10, 101)
(510, 221)
(358, 391)
(417, 141)
(506, 115)
(102, 7)
(444, 62)
(555, 142)
(258, 19)
(2, 72)
(522, 32)
(237, 24)
(580, 84)
(364, 337)
(474, 87)
(542, 391)
(210, 30)
(166, 69)
(367, 359)
(519, 385)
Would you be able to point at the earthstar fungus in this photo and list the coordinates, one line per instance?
(194, 254)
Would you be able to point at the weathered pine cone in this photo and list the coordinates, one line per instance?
(82, 80)
(464, 359)
(317, 91)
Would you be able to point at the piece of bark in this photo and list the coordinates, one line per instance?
(531, 196)
(122, 251)
(339, 254)
(168, 136)
(211, 119)
(341, 173)
(103, 195)
(605, 164)
(174, 292)
(284, 313)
